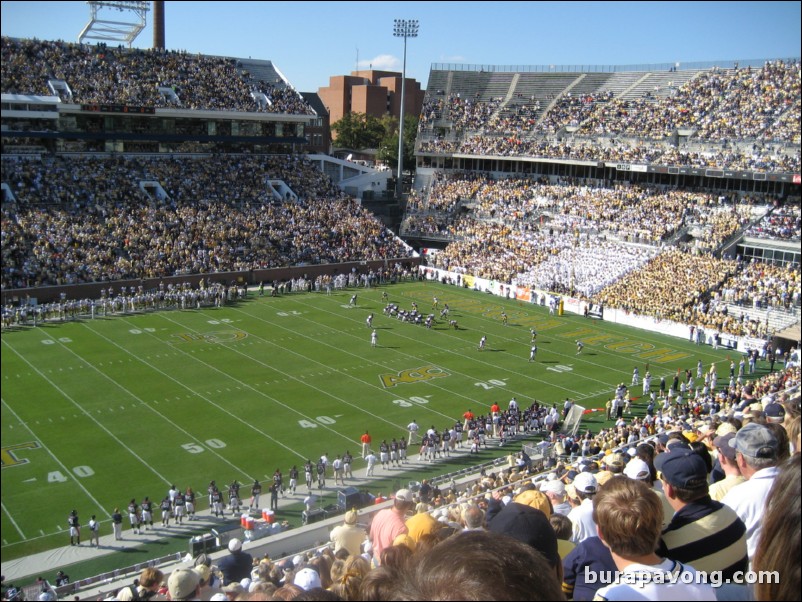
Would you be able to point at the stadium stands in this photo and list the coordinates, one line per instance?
(645, 112)
(656, 248)
(100, 74)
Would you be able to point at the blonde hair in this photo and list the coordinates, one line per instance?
(629, 516)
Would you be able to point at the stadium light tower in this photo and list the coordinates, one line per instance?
(117, 30)
(403, 28)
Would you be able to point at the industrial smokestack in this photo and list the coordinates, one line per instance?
(158, 24)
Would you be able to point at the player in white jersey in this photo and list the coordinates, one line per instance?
(369, 321)
(412, 427)
(374, 338)
(482, 343)
(533, 353)
(371, 461)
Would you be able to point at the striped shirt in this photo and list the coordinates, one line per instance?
(707, 535)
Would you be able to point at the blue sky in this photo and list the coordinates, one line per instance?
(310, 41)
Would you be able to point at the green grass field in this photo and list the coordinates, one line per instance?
(98, 411)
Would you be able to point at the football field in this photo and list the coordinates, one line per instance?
(95, 412)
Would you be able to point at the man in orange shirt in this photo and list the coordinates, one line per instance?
(365, 444)
(468, 416)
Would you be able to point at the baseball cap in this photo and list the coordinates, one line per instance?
(682, 467)
(350, 517)
(234, 588)
(775, 412)
(403, 495)
(204, 571)
(637, 469)
(182, 583)
(528, 525)
(725, 428)
(307, 579)
(235, 545)
(556, 487)
(570, 475)
(535, 499)
(586, 483)
(756, 441)
(614, 462)
(722, 443)
(603, 476)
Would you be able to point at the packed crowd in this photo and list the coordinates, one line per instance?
(709, 284)
(89, 220)
(720, 106)
(781, 224)
(760, 158)
(468, 113)
(572, 237)
(571, 110)
(105, 75)
(585, 268)
(653, 290)
(762, 285)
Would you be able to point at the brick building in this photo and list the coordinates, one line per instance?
(376, 93)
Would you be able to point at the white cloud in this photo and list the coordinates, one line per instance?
(383, 62)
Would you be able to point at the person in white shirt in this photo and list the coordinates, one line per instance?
(629, 518)
(757, 455)
(582, 516)
(412, 427)
(371, 460)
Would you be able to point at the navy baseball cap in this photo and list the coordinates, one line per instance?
(774, 412)
(682, 467)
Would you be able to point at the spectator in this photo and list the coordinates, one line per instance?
(757, 458)
(450, 571)
(629, 517)
(703, 533)
(349, 536)
(390, 523)
(237, 565)
(779, 541)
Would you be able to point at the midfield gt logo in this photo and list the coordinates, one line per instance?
(415, 375)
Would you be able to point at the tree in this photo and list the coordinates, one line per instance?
(358, 131)
(388, 149)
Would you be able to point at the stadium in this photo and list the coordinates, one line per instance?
(585, 272)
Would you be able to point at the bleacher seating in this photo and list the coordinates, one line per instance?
(100, 74)
(731, 111)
